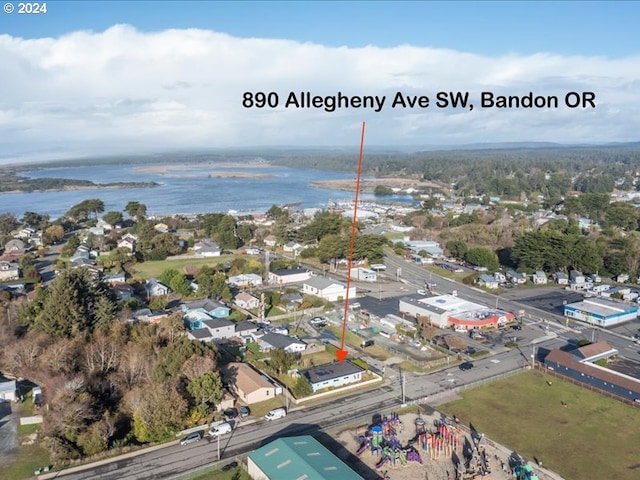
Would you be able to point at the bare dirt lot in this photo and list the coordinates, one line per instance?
(449, 453)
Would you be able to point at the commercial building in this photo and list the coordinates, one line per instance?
(333, 375)
(301, 457)
(451, 311)
(601, 312)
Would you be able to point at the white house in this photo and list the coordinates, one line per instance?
(246, 301)
(245, 280)
(562, 278)
(291, 275)
(500, 277)
(327, 288)
(487, 281)
(539, 278)
(333, 375)
(155, 288)
(272, 341)
(9, 271)
(9, 391)
(207, 248)
(576, 276)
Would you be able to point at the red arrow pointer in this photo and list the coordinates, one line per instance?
(342, 353)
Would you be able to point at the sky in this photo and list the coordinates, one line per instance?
(89, 78)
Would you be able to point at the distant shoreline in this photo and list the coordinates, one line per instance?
(166, 169)
(84, 187)
(368, 185)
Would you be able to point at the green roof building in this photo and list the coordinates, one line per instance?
(297, 458)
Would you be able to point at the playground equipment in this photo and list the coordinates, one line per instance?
(524, 471)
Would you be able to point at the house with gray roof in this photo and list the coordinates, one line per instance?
(331, 375)
(273, 341)
(210, 307)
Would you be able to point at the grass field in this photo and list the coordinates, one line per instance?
(592, 437)
(155, 268)
(27, 459)
(234, 474)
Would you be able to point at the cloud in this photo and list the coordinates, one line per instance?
(124, 90)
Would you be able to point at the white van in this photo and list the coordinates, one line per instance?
(220, 429)
(275, 414)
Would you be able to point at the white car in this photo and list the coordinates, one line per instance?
(275, 414)
(220, 429)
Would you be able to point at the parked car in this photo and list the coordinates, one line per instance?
(220, 429)
(244, 411)
(191, 438)
(466, 366)
(367, 343)
(316, 320)
(275, 414)
(231, 413)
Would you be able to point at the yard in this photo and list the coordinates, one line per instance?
(29, 457)
(578, 433)
(154, 268)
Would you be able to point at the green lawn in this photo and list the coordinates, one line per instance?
(155, 268)
(27, 459)
(592, 437)
(234, 474)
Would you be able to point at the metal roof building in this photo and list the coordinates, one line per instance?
(601, 312)
(297, 458)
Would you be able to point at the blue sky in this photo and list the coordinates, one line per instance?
(595, 28)
(93, 77)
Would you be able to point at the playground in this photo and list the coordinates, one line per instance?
(415, 446)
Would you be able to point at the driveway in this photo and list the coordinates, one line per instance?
(9, 419)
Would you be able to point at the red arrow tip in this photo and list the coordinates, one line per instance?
(342, 355)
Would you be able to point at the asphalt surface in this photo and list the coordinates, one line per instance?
(8, 430)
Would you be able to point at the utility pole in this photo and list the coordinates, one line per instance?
(218, 446)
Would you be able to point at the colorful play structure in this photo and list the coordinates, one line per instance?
(381, 440)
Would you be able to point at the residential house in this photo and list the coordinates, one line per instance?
(270, 241)
(500, 277)
(487, 281)
(576, 276)
(327, 288)
(9, 271)
(290, 275)
(272, 341)
(516, 277)
(127, 243)
(249, 385)
(245, 328)
(220, 328)
(207, 248)
(161, 228)
(15, 247)
(293, 247)
(561, 278)
(246, 301)
(332, 375)
(246, 280)
(539, 278)
(210, 307)
(8, 390)
(123, 291)
(114, 278)
(155, 288)
(148, 316)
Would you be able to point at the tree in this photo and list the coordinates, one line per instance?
(457, 248)
(482, 257)
(112, 218)
(302, 387)
(8, 223)
(53, 234)
(206, 390)
(136, 209)
(167, 275)
(35, 220)
(382, 190)
(281, 361)
(160, 413)
(74, 303)
(180, 284)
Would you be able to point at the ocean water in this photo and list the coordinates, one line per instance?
(184, 191)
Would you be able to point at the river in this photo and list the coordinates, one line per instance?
(185, 189)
